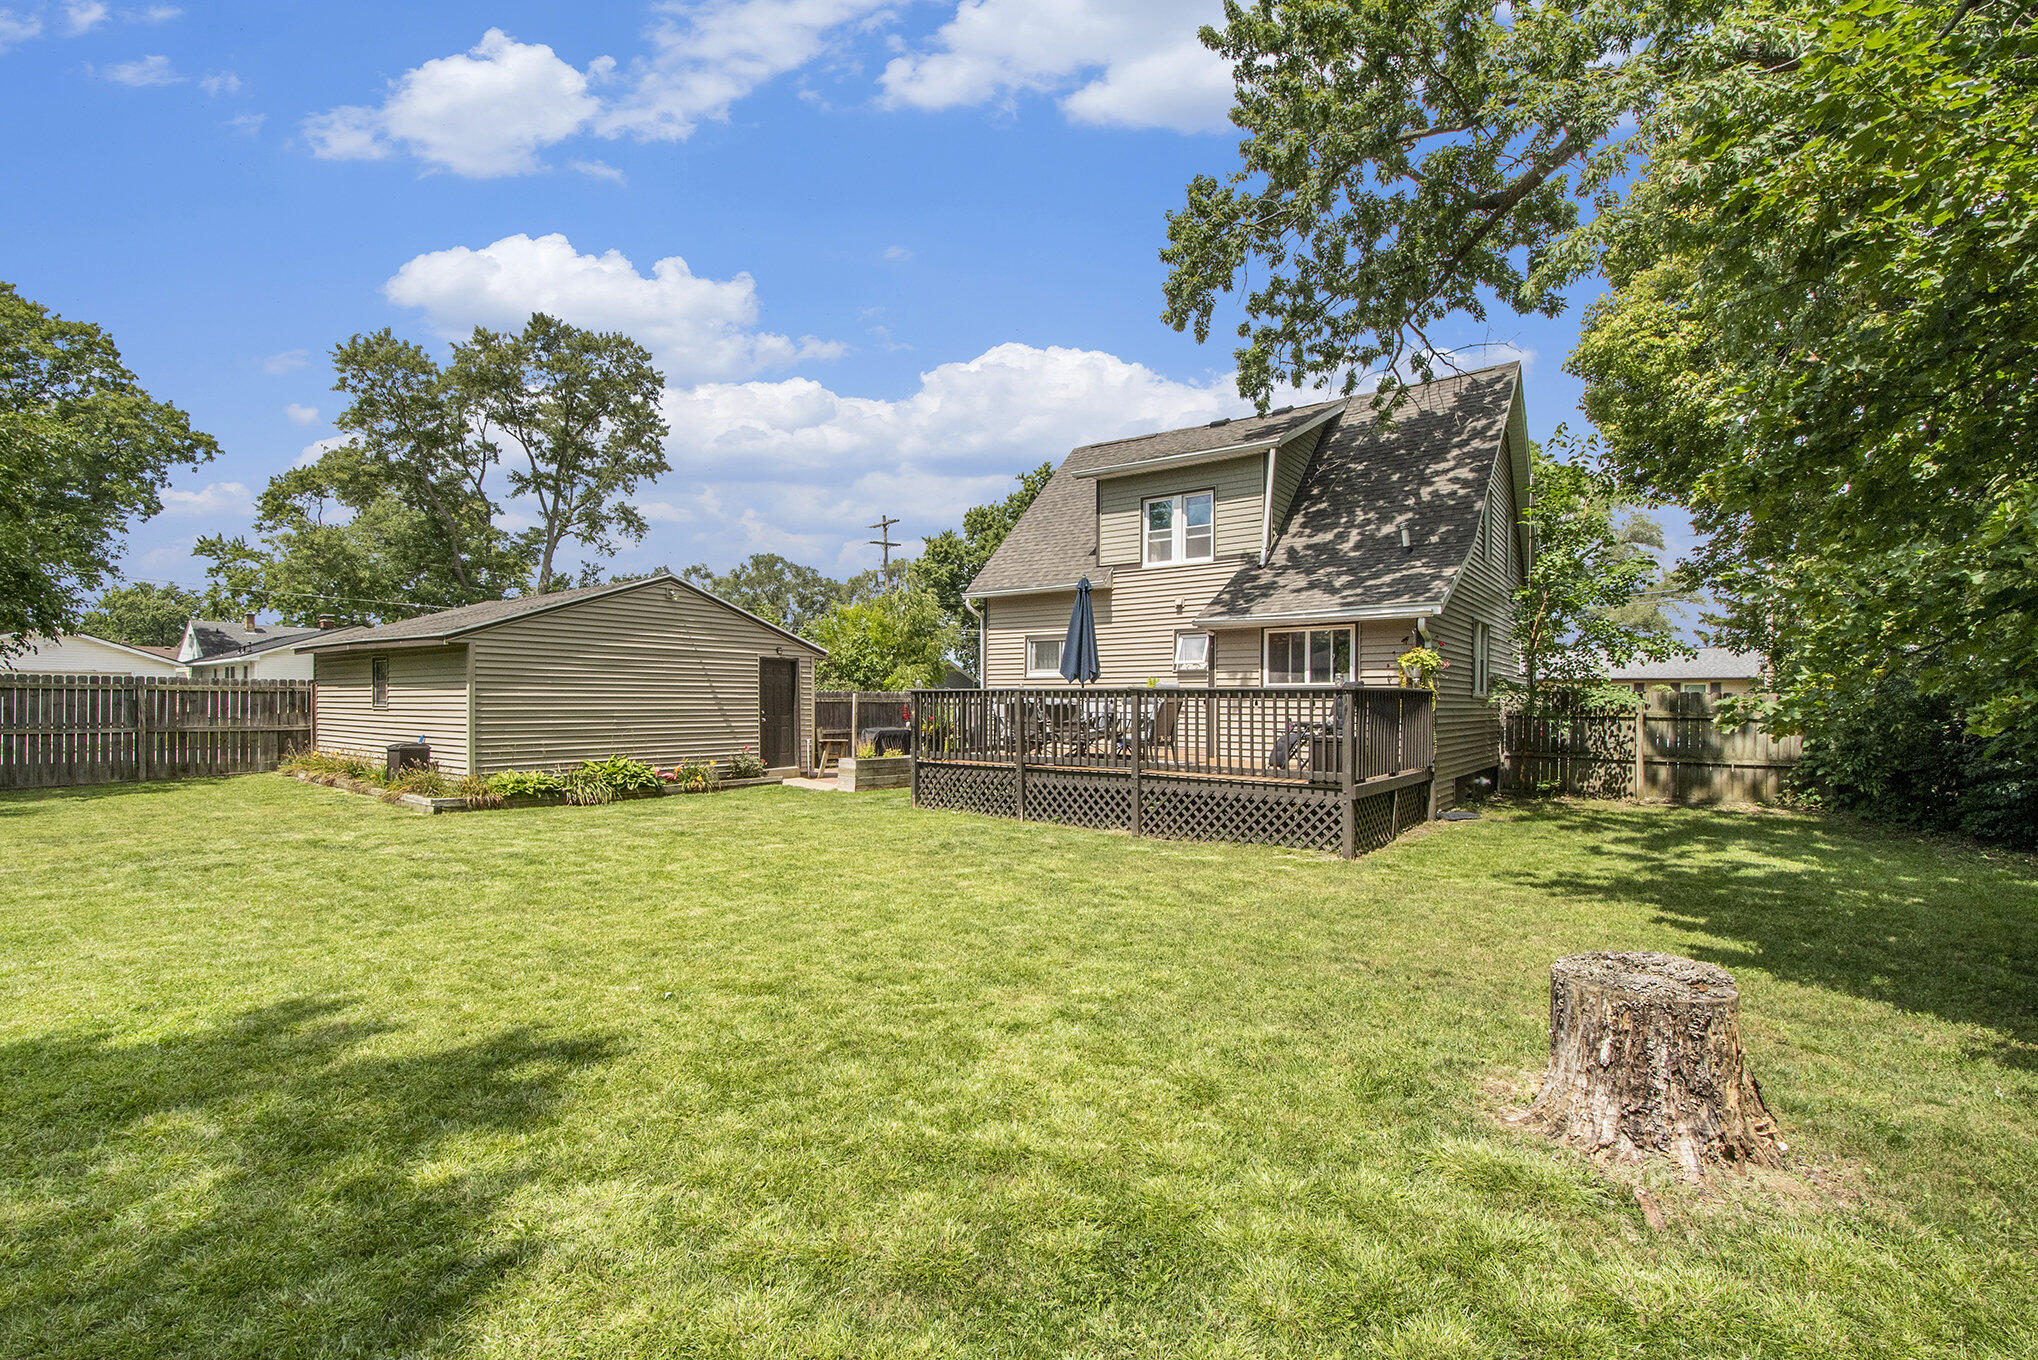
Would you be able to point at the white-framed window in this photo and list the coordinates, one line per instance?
(1043, 657)
(1178, 529)
(1482, 659)
(1692, 687)
(1486, 527)
(378, 682)
(1309, 656)
(1192, 651)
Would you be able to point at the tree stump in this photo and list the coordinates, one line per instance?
(1645, 1059)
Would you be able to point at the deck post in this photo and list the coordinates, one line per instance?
(1348, 762)
(1138, 755)
(1014, 713)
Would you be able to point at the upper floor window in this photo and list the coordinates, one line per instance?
(1179, 529)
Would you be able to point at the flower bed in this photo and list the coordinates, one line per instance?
(588, 784)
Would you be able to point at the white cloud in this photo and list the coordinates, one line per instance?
(482, 113)
(898, 254)
(1131, 63)
(218, 498)
(598, 170)
(318, 449)
(219, 83)
(289, 361)
(301, 415)
(250, 123)
(18, 26)
(143, 71)
(81, 16)
(707, 56)
(696, 328)
(155, 14)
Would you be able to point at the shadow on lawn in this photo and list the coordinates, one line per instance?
(1877, 915)
(264, 1187)
(20, 802)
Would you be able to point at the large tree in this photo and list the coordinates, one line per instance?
(581, 407)
(142, 614)
(84, 452)
(897, 639)
(774, 588)
(1584, 607)
(1817, 220)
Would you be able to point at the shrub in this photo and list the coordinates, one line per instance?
(697, 776)
(426, 782)
(866, 750)
(527, 784)
(584, 788)
(477, 792)
(330, 767)
(746, 764)
(620, 773)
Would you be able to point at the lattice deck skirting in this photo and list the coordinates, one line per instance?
(1188, 809)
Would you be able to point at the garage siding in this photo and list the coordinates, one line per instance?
(658, 673)
(427, 697)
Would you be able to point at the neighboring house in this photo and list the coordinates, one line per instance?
(215, 649)
(1310, 546)
(83, 654)
(1713, 671)
(656, 669)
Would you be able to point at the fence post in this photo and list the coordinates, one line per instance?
(1015, 712)
(854, 695)
(1138, 756)
(144, 755)
(1348, 758)
(1642, 749)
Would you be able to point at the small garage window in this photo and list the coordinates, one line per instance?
(378, 682)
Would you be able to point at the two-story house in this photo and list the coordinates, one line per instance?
(1311, 546)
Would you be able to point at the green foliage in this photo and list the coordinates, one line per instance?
(427, 783)
(621, 774)
(528, 783)
(582, 409)
(774, 588)
(1587, 569)
(951, 560)
(477, 792)
(698, 776)
(84, 451)
(1901, 755)
(333, 766)
(583, 787)
(892, 642)
(746, 764)
(142, 614)
(1423, 663)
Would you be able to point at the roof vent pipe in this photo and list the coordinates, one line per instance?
(1405, 545)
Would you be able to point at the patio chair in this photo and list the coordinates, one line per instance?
(1161, 736)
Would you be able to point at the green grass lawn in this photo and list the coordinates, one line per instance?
(286, 1071)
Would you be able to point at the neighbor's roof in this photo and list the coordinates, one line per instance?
(447, 624)
(216, 638)
(1340, 549)
(1711, 663)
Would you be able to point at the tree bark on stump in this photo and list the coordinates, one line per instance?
(1645, 1059)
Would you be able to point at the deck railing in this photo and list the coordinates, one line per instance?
(1106, 756)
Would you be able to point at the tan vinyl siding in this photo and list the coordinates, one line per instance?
(1290, 466)
(427, 697)
(1468, 727)
(1240, 486)
(634, 673)
(1137, 619)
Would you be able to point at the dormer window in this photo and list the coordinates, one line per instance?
(1179, 529)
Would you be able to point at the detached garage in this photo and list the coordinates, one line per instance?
(656, 669)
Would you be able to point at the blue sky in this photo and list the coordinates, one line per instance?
(887, 253)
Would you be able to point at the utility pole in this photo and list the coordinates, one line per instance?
(884, 541)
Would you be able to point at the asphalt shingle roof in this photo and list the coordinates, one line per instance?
(1341, 546)
(217, 638)
(1711, 663)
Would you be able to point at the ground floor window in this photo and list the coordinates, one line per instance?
(1192, 651)
(1482, 659)
(1043, 656)
(1309, 656)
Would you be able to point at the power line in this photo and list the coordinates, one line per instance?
(884, 540)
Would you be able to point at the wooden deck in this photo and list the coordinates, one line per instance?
(1342, 770)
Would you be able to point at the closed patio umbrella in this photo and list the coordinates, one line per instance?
(1079, 648)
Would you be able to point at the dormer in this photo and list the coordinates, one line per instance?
(1224, 504)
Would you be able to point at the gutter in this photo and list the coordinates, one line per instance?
(1095, 585)
(1387, 611)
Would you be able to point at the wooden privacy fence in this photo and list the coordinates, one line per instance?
(58, 730)
(1342, 770)
(1672, 750)
(839, 714)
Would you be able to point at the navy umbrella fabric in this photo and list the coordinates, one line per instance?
(1079, 648)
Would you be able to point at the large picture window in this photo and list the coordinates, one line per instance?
(1043, 657)
(1179, 529)
(1309, 656)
